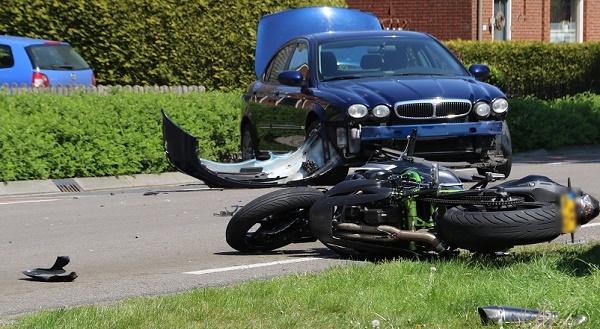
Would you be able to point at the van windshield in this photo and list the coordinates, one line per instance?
(56, 57)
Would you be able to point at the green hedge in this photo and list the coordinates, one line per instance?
(53, 136)
(538, 69)
(571, 120)
(148, 42)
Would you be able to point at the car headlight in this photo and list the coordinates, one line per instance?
(358, 111)
(482, 109)
(381, 111)
(500, 105)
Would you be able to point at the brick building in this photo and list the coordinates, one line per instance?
(541, 20)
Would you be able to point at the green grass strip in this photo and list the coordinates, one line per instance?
(400, 294)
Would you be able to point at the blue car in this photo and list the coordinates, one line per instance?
(41, 63)
(333, 90)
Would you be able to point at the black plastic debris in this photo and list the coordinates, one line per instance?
(56, 273)
(227, 212)
(505, 314)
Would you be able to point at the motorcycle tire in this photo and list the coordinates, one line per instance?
(481, 230)
(279, 216)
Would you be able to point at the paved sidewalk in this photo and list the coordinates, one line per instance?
(96, 183)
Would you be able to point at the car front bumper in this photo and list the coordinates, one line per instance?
(439, 130)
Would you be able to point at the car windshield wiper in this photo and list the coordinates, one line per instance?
(344, 77)
(62, 66)
(415, 73)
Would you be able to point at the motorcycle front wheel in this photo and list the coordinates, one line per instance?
(483, 230)
(272, 221)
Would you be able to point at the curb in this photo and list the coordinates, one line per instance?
(86, 184)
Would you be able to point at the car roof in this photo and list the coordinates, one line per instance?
(332, 36)
(24, 41)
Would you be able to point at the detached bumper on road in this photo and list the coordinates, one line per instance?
(484, 128)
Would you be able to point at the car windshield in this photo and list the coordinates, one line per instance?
(381, 57)
(56, 57)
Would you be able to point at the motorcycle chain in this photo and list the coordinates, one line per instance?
(478, 201)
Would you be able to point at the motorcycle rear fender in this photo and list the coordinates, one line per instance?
(536, 188)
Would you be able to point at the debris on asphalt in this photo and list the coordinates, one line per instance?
(227, 212)
(506, 314)
(156, 192)
(56, 273)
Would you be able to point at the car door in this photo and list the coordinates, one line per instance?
(289, 114)
(265, 95)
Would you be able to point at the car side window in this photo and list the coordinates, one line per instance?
(279, 64)
(6, 57)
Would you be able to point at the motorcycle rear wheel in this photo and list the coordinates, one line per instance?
(483, 230)
(281, 217)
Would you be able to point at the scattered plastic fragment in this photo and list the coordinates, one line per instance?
(227, 212)
(56, 273)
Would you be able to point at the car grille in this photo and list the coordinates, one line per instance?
(437, 108)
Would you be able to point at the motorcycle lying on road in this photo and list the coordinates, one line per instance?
(413, 207)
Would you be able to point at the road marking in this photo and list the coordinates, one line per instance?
(28, 201)
(590, 225)
(244, 267)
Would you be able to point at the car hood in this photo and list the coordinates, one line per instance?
(374, 91)
(276, 29)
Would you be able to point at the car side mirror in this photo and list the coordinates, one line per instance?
(480, 71)
(290, 78)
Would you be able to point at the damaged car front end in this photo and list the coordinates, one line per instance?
(334, 90)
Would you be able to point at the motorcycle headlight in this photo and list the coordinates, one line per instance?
(358, 111)
(500, 105)
(381, 111)
(482, 109)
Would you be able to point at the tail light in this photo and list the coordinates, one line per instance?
(39, 80)
(93, 79)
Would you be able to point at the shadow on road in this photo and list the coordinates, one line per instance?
(312, 252)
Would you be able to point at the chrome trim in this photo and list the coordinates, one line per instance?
(434, 102)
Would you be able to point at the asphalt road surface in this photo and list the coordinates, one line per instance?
(124, 243)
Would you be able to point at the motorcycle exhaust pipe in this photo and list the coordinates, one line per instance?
(419, 236)
(504, 314)
(392, 234)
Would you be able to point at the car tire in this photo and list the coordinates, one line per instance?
(248, 143)
(333, 176)
(274, 211)
(480, 230)
(506, 148)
